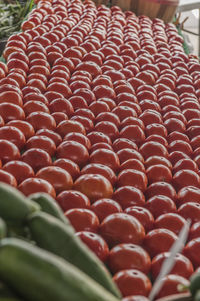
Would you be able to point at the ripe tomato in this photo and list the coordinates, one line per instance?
(11, 97)
(36, 158)
(70, 166)
(122, 228)
(143, 215)
(41, 120)
(73, 136)
(129, 153)
(188, 164)
(8, 151)
(132, 177)
(10, 111)
(132, 164)
(105, 207)
(191, 251)
(158, 160)
(182, 265)
(171, 221)
(83, 220)
(108, 116)
(95, 243)
(190, 210)
(41, 142)
(132, 282)
(158, 173)
(100, 169)
(86, 183)
(160, 204)
(61, 105)
(134, 133)
(194, 231)
(13, 135)
(161, 188)
(68, 126)
(57, 176)
(185, 178)
(20, 170)
(158, 241)
(129, 256)
(152, 148)
(105, 157)
(33, 185)
(7, 178)
(50, 134)
(70, 199)
(170, 285)
(122, 143)
(73, 151)
(128, 196)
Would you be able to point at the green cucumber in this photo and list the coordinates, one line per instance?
(197, 296)
(194, 283)
(3, 228)
(52, 235)
(49, 205)
(14, 206)
(38, 275)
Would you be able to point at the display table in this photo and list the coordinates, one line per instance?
(187, 5)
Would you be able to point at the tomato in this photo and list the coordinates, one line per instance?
(160, 204)
(171, 221)
(42, 142)
(190, 210)
(41, 120)
(57, 176)
(182, 265)
(175, 156)
(11, 97)
(143, 215)
(7, 178)
(10, 111)
(8, 151)
(61, 105)
(191, 251)
(87, 182)
(105, 207)
(101, 169)
(158, 160)
(132, 177)
(156, 129)
(194, 231)
(132, 164)
(13, 135)
(70, 199)
(36, 158)
(158, 173)
(170, 284)
(132, 282)
(59, 116)
(128, 196)
(105, 157)
(91, 67)
(152, 148)
(134, 133)
(68, 126)
(83, 220)
(20, 170)
(174, 124)
(95, 243)
(108, 128)
(122, 228)
(50, 134)
(78, 137)
(188, 164)
(161, 188)
(33, 185)
(123, 143)
(108, 116)
(74, 151)
(185, 178)
(158, 241)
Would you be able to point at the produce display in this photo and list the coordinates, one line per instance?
(100, 139)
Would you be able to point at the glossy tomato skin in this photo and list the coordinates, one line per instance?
(170, 285)
(129, 256)
(188, 193)
(190, 211)
(20, 170)
(157, 160)
(71, 167)
(132, 177)
(105, 157)
(8, 151)
(95, 243)
(158, 241)
(194, 231)
(57, 176)
(42, 142)
(101, 169)
(87, 182)
(7, 178)
(160, 204)
(171, 221)
(161, 188)
(83, 219)
(105, 207)
(122, 228)
(185, 178)
(191, 251)
(182, 267)
(33, 185)
(70, 199)
(143, 215)
(128, 196)
(132, 282)
(36, 158)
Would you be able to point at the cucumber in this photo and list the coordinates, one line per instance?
(52, 235)
(38, 275)
(3, 228)
(14, 206)
(197, 296)
(49, 205)
(194, 283)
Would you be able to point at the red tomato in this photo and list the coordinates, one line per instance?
(108, 116)
(10, 111)
(61, 105)
(105, 207)
(59, 116)
(132, 177)
(41, 142)
(143, 215)
(7, 178)
(87, 182)
(194, 231)
(157, 160)
(158, 241)
(50, 134)
(128, 196)
(95, 243)
(108, 128)
(100, 169)
(160, 204)
(188, 164)
(158, 173)
(33, 185)
(8, 151)
(191, 251)
(132, 282)
(13, 135)
(105, 157)
(78, 137)
(41, 120)
(36, 158)
(128, 153)
(74, 151)
(20, 170)
(182, 265)
(185, 178)
(70, 166)
(171, 221)
(68, 126)
(175, 156)
(122, 143)
(132, 164)
(11, 97)
(71, 199)
(156, 129)
(122, 228)
(190, 210)
(134, 133)
(161, 188)
(152, 148)
(58, 177)
(83, 220)
(170, 285)
(129, 256)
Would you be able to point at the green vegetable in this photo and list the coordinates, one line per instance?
(38, 275)
(197, 296)
(194, 283)
(3, 228)
(49, 205)
(14, 206)
(51, 234)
